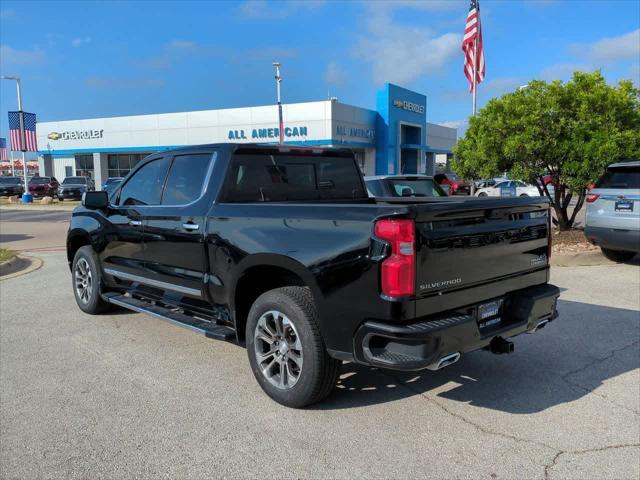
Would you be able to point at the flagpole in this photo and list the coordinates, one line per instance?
(475, 70)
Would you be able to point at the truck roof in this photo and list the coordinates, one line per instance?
(261, 147)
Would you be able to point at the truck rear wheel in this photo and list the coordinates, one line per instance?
(618, 256)
(87, 282)
(286, 351)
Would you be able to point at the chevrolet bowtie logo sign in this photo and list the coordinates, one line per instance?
(76, 135)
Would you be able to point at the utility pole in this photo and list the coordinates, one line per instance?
(26, 196)
(281, 122)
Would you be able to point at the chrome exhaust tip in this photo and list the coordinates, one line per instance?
(539, 326)
(445, 361)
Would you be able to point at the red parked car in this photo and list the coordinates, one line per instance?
(456, 184)
(43, 186)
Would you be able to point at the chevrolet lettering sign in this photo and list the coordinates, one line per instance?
(409, 106)
(76, 135)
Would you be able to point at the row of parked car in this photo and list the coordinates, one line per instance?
(71, 188)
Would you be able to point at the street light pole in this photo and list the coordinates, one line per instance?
(281, 122)
(23, 142)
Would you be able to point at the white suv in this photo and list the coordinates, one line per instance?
(613, 212)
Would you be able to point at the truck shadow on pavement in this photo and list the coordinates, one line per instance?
(586, 346)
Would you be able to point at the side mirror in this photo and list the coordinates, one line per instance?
(95, 200)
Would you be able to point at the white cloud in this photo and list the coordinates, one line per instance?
(276, 9)
(429, 5)
(610, 49)
(334, 75)
(460, 125)
(7, 13)
(11, 56)
(402, 53)
(182, 44)
(107, 82)
(76, 42)
(564, 71)
(272, 54)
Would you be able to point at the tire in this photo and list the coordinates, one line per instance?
(524, 195)
(86, 281)
(482, 194)
(304, 354)
(618, 256)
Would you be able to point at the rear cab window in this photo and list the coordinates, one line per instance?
(284, 177)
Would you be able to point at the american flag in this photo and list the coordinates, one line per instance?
(3, 150)
(473, 33)
(31, 145)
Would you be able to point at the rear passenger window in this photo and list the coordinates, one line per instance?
(186, 178)
(145, 186)
(281, 177)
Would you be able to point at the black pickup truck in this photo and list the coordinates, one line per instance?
(281, 250)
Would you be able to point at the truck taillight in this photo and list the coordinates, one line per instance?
(592, 197)
(398, 270)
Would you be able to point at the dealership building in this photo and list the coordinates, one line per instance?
(394, 138)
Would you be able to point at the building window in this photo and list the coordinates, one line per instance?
(84, 166)
(121, 164)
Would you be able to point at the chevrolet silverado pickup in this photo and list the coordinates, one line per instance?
(281, 250)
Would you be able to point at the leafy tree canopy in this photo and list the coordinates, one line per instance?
(571, 131)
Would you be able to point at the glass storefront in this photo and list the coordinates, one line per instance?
(121, 164)
(84, 166)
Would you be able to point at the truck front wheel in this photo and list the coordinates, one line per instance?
(87, 282)
(286, 351)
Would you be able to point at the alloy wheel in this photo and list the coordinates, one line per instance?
(83, 280)
(278, 349)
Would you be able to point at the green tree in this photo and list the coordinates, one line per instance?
(571, 131)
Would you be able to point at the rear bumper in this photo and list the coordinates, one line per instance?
(422, 344)
(614, 238)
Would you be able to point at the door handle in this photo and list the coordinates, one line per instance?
(135, 223)
(190, 226)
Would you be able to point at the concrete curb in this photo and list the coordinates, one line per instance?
(580, 259)
(20, 265)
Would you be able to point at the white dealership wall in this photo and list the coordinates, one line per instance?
(325, 123)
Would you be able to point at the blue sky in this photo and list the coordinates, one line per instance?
(93, 59)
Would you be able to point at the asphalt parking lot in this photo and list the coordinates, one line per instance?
(126, 395)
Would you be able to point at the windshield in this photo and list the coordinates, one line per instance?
(40, 180)
(74, 180)
(620, 177)
(111, 181)
(419, 187)
(11, 180)
(453, 177)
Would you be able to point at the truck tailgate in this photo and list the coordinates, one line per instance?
(476, 241)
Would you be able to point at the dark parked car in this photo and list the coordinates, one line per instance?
(403, 186)
(74, 187)
(43, 186)
(456, 184)
(10, 186)
(281, 249)
(111, 183)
